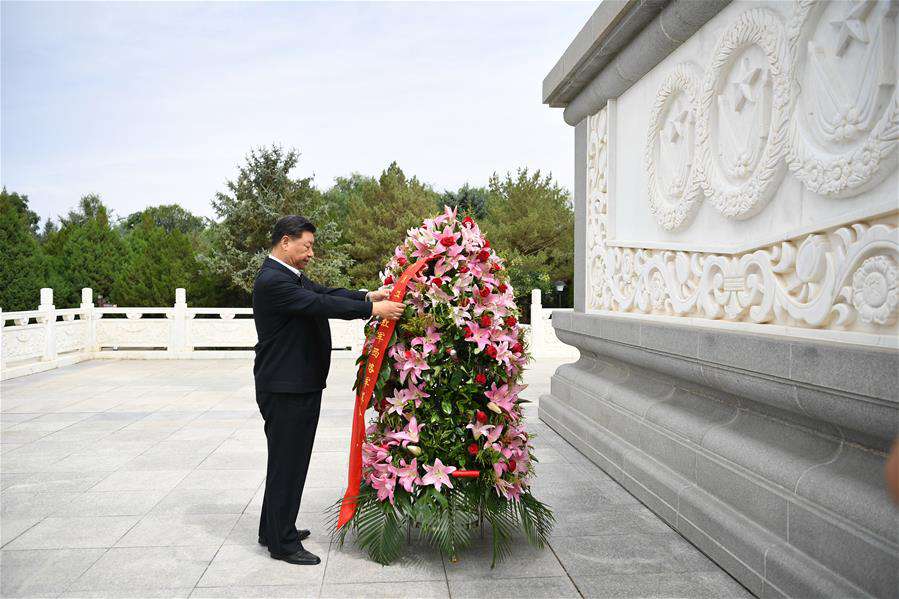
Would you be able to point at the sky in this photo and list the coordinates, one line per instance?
(157, 103)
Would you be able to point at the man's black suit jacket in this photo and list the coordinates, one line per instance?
(293, 354)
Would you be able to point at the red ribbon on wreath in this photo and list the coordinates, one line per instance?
(372, 369)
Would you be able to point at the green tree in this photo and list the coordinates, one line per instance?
(378, 216)
(263, 192)
(170, 217)
(19, 203)
(213, 288)
(530, 221)
(339, 195)
(90, 207)
(159, 261)
(86, 252)
(24, 267)
(471, 201)
(50, 229)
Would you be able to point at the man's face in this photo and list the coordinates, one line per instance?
(298, 251)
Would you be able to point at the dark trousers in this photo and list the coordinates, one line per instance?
(290, 423)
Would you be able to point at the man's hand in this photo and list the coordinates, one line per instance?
(378, 295)
(387, 309)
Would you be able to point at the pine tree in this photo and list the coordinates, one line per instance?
(86, 252)
(170, 217)
(471, 201)
(158, 263)
(531, 222)
(379, 213)
(263, 192)
(24, 267)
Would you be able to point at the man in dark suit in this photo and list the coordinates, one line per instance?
(293, 357)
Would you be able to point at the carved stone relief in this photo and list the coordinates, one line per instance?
(818, 97)
(841, 278)
(846, 124)
(743, 115)
(669, 160)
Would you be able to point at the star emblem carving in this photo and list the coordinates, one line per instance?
(674, 128)
(742, 90)
(852, 26)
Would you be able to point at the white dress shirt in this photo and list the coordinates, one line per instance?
(296, 271)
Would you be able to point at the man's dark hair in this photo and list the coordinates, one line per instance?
(292, 225)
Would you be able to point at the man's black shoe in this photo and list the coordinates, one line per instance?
(301, 557)
(303, 535)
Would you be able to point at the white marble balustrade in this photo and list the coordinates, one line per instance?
(46, 338)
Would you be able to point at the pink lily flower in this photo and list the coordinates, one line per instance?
(493, 435)
(408, 434)
(471, 238)
(449, 215)
(500, 335)
(478, 335)
(438, 475)
(460, 315)
(417, 393)
(398, 401)
(411, 366)
(408, 474)
(438, 295)
(503, 355)
(508, 490)
(503, 396)
(478, 429)
(384, 485)
(441, 266)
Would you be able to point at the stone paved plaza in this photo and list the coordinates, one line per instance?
(145, 479)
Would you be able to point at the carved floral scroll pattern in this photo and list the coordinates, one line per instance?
(840, 278)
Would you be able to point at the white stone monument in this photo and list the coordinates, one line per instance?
(736, 299)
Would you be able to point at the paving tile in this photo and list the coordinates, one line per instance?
(222, 479)
(352, 565)
(644, 585)
(42, 573)
(557, 587)
(526, 561)
(182, 593)
(286, 591)
(204, 501)
(173, 530)
(135, 569)
(47, 482)
(140, 480)
(112, 503)
(248, 565)
(14, 504)
(13, 527)
(425, 589)
(74, 532)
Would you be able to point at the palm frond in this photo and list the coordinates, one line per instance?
(536, 519)
(503, 522)
(447, 526)
(378, 529)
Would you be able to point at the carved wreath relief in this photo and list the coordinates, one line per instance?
(846, 123)
(743, 115)
(670, 164)
(818, 97)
